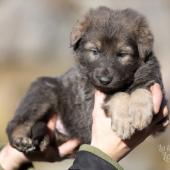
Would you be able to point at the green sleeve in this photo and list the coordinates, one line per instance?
(1, 146)
(1, 168)
(100, 154)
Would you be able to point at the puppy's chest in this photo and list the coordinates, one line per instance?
(75, 119)
(79, 104)
(76, 104)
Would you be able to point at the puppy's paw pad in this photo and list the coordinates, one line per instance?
(23, 144)
(141, 109)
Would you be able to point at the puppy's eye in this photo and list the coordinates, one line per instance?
(122, 54)
(95, 51)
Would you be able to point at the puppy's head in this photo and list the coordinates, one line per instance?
(110, 45)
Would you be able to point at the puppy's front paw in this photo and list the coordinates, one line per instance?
(141, 108)
(23, 144)
(122, 128)
(19, 136)
(40, 136)
(117, 107)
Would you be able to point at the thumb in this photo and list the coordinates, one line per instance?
(98, 102)
(157, 97)
(68, 147)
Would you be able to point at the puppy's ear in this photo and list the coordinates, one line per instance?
(78, 31)
(144, 39)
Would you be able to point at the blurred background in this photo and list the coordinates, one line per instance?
(34, 41)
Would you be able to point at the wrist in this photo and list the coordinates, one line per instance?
(116, 151)
(119, 151)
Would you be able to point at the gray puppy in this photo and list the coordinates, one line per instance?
(114, 53)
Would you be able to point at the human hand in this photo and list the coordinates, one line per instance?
(54, 153)
(106, 140)
(10, 158)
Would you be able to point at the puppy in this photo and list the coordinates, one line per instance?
(114, 54)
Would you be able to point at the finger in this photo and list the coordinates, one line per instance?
(68, 147)
(164, 103)
(161, 115)
(161, 127)
(161, 122)
(157, 97)
(166, 123)
(98, 102)
(52, 122)
(99, 99)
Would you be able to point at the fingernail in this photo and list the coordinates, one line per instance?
(98, 93)
(166, 123)
(151, 88)
(156, 85)
(165, 111)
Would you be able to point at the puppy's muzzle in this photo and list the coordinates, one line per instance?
(103, 76)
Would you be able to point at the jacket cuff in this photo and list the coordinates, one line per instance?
(1, 146)
(1, 168)
(100, 154)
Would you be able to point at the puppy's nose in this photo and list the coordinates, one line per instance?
(105, 80)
